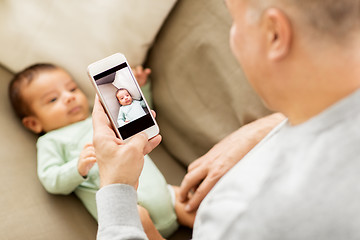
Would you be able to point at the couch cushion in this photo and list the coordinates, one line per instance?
(200, 92)
(75, 33)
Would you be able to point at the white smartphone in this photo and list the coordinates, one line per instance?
(121, 97)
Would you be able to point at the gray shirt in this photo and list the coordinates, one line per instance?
(118, 216)
(300, 182)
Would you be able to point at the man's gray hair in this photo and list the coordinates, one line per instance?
(336, 18)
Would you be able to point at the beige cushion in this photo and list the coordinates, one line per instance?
(74, 34)
(200, 92)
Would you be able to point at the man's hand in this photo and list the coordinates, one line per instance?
(204, 172)
(86, 160)
(119, 162)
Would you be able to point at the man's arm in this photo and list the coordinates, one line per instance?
(204, 172)
(117, 213)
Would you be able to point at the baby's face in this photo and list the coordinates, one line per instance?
(55, 100)
(124, 97)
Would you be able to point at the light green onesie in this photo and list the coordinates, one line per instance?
(58, 154)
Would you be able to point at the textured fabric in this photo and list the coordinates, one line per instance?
(118, 216)
(58, 154)
(300, 182)
(199, 91)
(74, 34)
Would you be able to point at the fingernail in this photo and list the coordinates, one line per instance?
(187, 208)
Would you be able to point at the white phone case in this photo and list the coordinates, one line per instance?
(113, 74)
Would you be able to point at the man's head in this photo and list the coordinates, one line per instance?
(124, 97)
(289, 48)
(45, 98)
(330, 17)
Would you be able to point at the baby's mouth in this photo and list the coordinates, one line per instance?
(75, 110)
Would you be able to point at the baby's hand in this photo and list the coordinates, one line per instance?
(87, 159)
(141, 74)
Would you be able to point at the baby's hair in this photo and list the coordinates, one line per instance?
(120, 89)
(25, 76)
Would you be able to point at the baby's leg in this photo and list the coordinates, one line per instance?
(149, 227)
(184, 218)
(154, 195)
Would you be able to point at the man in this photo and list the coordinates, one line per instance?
(301, 181)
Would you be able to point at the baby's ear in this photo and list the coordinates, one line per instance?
(33, 124)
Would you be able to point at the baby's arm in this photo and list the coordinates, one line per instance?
(121, 118)
(57, 174)
(141, 74)
(87, 160)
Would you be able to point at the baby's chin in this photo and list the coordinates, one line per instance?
(84, 116)
(78, 118)
(72, 121)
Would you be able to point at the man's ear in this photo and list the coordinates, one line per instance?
(33, 124)
(278, 33)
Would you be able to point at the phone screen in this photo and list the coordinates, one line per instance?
(124, 101)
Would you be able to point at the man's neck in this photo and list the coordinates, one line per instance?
(332, 80)
(302, 113)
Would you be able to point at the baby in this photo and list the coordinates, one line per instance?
(49, 103)
(130, 108)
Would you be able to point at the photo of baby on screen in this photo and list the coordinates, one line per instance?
(122, 96)
(130, 108)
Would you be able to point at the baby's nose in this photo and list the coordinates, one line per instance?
(69, 97)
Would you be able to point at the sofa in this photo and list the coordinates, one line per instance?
(198, 90)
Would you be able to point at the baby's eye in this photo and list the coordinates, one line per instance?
(73, 89)
(52, 100)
